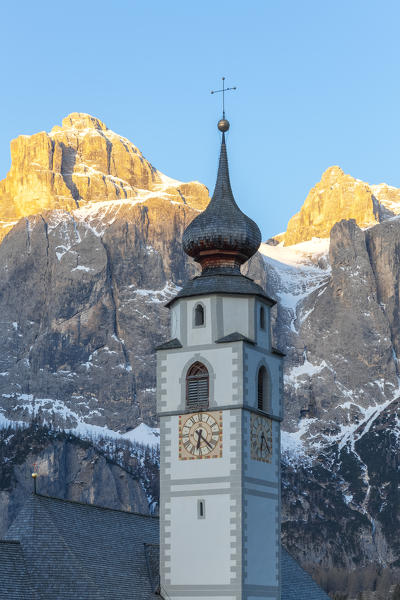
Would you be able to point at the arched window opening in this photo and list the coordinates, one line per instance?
(262, 389)
(199, 315)
(262, 317)
(197, 385)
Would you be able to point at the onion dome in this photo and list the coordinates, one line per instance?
(222, 236)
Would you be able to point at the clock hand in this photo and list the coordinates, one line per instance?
(198, 431)
(201, 437)
(265, 441)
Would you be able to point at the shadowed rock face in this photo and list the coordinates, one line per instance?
(68, 468)
(81, 314)
(338, 316)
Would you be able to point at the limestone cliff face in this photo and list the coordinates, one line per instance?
(339, 196)
(85, 273)
(338, 321)
(68, 468)
(79, 163)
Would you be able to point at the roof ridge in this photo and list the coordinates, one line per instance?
(127, 512)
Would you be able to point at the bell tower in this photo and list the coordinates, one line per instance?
(219, 391)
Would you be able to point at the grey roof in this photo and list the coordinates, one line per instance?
(221, 281)
(222, 226)
(170, 345)
(278, 352)
(14, 580)
(234, 337)
(85, 552)
(297, 584)
(63, 550)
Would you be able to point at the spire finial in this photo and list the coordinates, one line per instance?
(222, 237)
(34, 477)
(223, 124)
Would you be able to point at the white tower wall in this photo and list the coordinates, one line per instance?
(233, 551)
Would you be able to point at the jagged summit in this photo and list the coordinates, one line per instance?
(83, 164)
(340, 196)
(332, 174)
(77, 120)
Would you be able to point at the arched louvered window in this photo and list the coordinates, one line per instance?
(262, 389)
(262, 317)
(199, 315)
(197, 385)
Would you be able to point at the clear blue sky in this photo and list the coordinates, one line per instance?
(318, 84)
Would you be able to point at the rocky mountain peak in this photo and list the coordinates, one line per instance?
(84, 163)
(340, 196)
(332, 175)
(82, 121)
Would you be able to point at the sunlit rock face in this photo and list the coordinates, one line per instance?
(85, 275)
(83, 162)
(339, 196)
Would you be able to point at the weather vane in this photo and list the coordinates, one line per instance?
(224, 89)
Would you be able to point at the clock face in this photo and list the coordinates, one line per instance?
(200, 435)
(260, 438)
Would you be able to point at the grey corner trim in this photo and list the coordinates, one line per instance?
(205, 492)
(203, 590)
(186, 348)
(183, 320)
(268, 495)
(260, 590)
(218, 331)
(212, 346)
(255, 481)
(262, 296)
(245, 407)
(252, 316)
(205, 480)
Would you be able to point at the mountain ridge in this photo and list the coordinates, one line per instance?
(340, 196)
(80, 163)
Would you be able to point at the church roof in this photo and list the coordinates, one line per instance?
(84, 552)
(57, 550)
(221, 281)
(222, 227)
(297, 584)
(14, 580)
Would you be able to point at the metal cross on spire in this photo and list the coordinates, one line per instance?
(224, 89)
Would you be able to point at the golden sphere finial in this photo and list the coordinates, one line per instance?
(223, 125)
